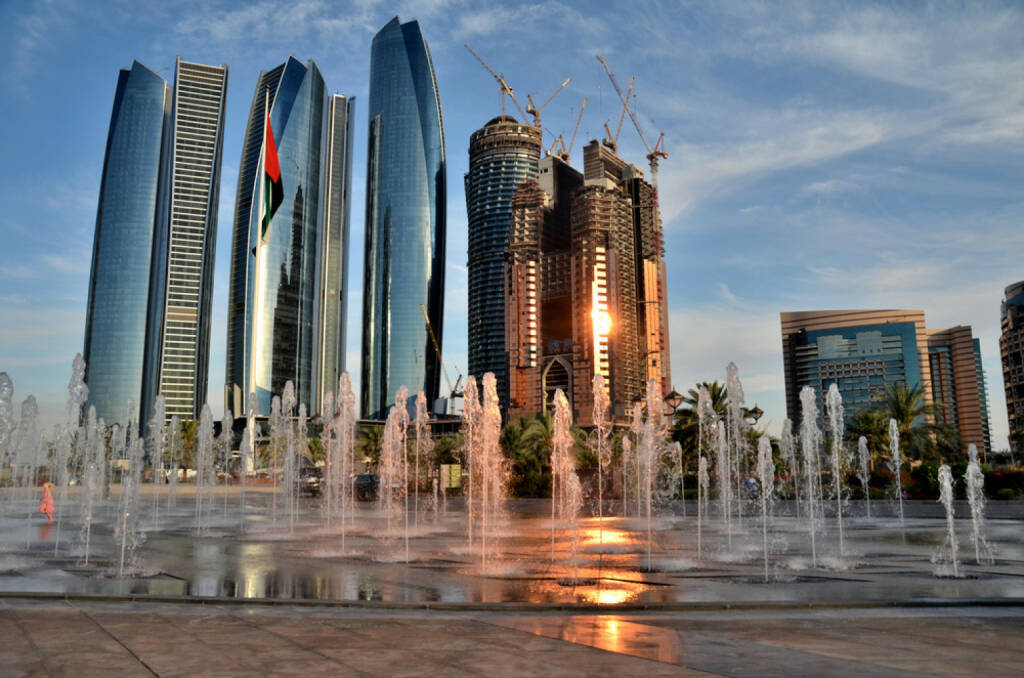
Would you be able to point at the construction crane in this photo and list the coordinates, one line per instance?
(535, 110)
(612, 142)
(452, 390)
(505, 88)
(653, 154)
(572, 142)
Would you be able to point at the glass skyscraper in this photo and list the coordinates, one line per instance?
(334, 246)
(405, 220)
(148, 320)
(273, 317)
(502, 155)
(195, 152)
(120, 329)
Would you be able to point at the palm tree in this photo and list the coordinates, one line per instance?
(873, 424)
(920, 437)
(189, 430)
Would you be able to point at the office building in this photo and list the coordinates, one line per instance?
(403, 269)
(274, 303)
(1011, 350)
(122, 326)
(197, 137)
(334, 244)
(864, 351)
(958, 385)
(502, 155)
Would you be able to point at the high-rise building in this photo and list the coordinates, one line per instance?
(1011, 350)
(334, 245)
(405, 221)
(861, 350)
(958, 384)
(502, 155)
(197, 137)
(274, 304)
(574, 304)
(864, 351)
(122, 325)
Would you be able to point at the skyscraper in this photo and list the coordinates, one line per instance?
(573, 304)
(1011, 350)
(502, 155)
(334, 245)
(197, 137)
(122, 325)
(273, 312)
(405, 220)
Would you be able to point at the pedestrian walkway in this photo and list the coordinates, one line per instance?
(85, 638)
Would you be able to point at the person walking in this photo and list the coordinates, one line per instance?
(46, 508)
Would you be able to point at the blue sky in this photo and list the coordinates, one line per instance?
(823, 155)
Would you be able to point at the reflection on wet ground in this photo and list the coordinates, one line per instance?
(269, 560)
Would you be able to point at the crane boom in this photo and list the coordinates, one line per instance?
(579, 119)
(437, 348)
(505, 87)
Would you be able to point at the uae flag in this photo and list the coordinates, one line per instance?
(273, 193)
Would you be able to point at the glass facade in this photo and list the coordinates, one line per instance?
(1011, 350)
(334, 248)
(405, 221)
(273, 297)
(502, 155)
(860, 359)
(120, 332)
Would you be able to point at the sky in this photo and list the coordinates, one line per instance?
(822, 155)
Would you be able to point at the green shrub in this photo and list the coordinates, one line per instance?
(1005, 493)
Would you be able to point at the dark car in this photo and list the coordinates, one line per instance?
(310, 480)
(365, 486)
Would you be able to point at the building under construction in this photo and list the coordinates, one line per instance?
(584, 287)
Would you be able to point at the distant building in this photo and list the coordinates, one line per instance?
(273, 333)
(958, 384)
(502, 155)
(864, 351)
(1011, 349)
(148, 320)
(405, 221)
(577, 304)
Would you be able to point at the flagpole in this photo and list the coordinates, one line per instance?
(256, 356)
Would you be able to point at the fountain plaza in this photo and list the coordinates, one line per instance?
(761, 574)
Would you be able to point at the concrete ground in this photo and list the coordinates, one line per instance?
(103, 637)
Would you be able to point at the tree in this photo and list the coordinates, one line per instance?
(315, 447)
(919, 438)
(371, 437)
(873, 424)
(189, 430)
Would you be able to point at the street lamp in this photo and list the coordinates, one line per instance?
(756, 413)
(674, 399)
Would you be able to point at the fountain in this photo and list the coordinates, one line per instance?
(95, 450)
(702, 501)
(156, 449)
(766, 475)
(394, 474)
(724, 483)
(895, 465)
(810, 441)
(834, 403)
(945, 558)
(863, 474)
(563, 468)
(205, 478)
(421, 444)
(976, 500)
(787, 450)
(602, 429)
(737, 439)
(175, 444)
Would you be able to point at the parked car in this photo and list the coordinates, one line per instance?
(309, 480)
(365, 485)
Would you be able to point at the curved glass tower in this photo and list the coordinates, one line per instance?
(405, 220)
(272, 316)
(119, 332)
(502, 155)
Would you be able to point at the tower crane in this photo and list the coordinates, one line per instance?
(505, 88)
(567, 152)
(452, 390)
(535, 110)
(612, 142)
(653, 154)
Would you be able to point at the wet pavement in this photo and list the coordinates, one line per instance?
(139, 639)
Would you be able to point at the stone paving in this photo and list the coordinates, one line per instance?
(87, 638)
